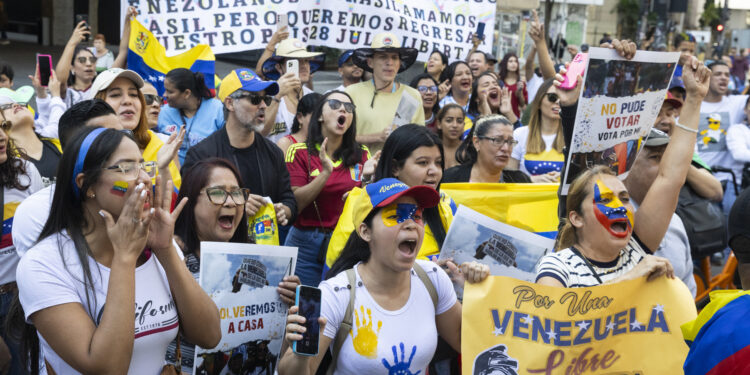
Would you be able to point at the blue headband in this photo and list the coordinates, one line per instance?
(82, 152)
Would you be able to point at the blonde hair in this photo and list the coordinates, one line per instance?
(535, 143)
(578, 191)
(140, 133)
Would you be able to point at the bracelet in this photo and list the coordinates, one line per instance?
(683, 127)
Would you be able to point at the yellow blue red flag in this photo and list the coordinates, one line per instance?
(147, 57)
(531, 207)
(718, 339)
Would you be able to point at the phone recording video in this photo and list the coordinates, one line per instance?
(308, 300)
(44, 62)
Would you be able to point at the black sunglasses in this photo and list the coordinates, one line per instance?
(82, 59)
(552, 97)
(151, 98)
(336, 104)
(255, 99)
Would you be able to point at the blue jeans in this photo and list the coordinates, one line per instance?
(16, 366)
(308, 242)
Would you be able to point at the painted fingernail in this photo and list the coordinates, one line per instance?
(143, 193)
(152, 211)
(101, 213)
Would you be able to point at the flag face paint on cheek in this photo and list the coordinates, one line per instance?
(119, 188)
(395, 214)
(611, 212)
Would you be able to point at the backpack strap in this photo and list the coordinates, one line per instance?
(427, 283)
(346, 325)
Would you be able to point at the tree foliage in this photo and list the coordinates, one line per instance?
(628, 14)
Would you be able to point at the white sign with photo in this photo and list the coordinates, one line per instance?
(242, 279)
(507, 250)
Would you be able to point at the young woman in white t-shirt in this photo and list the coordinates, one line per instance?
(394, 312)
(105, 286)
(540, 144)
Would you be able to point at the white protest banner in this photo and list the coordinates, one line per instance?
(241, 25)
(619, 102)
(507, 250)
(242, 279)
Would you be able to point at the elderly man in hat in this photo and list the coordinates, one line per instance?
(281, 112)
(259, 161)
(350, 74)
(383, 103)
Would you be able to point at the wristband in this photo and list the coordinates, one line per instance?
(683, 127)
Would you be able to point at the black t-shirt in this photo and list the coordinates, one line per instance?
(47, 164)
(248, 163)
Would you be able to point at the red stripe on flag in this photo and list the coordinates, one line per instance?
(737, 363)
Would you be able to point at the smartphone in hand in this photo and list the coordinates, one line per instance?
(575, 68)
(308, 301)
(282, 20)
(293, 67)
(85, 18)
(480, 30)
(45, 68)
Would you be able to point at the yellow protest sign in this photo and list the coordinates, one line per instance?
(633, 327)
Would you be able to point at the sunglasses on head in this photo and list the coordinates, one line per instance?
(552, 97)
(82, 59)
(255, 99)
(151, 98)
(336, 104)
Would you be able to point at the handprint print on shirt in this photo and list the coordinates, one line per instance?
(366, 341)
(400, 367)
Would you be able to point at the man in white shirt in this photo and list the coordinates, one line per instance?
(279, 118)
(718, 112)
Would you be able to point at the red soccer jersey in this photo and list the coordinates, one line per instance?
(330, 201)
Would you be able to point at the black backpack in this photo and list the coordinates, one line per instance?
(704, 223)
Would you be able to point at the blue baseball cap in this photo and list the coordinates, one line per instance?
(245, 79)
(345, 56)
(383, 192)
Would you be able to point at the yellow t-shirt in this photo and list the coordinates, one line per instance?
(345, 226)
(376, 118)
(149, 154)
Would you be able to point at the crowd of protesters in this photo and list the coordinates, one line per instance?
(110, 188)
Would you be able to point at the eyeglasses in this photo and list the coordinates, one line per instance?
(151, 98)
(426, 89)
(552, 97)
(336, 104)
(218, 196)
(499, 142)
(82, 59)
(4, 107)
(132, 168)
(255, 99)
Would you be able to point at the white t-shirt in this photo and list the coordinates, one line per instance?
(284, 119)
(738, 144)
(533, 85)
(409, 331)
(31, 215)
(535, 164)
(712, 131)
(45, 281)
(12, 199)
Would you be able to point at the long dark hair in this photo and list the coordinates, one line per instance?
(443, 57)
(14, 166)
(194, 180)
(67, 213)
(450, 71)
(305, 106)
(350, 151)
(415, 82)
(184, 79)
(504, 66)
(474, 102)
(355, 250)
(397, 148)
(466, 152)
(79, 48)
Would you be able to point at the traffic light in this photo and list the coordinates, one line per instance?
(720, 27)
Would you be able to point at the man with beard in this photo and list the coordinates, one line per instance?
(259, 161)
(350, 73)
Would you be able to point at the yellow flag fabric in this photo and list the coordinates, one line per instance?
(263, 226)
(531, 207)
(632, 327)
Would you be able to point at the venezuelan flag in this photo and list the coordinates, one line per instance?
(9, 210)
(147, 57)
(531, 207)
(718, 339)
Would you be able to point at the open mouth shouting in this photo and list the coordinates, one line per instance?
(610, 211)
(226, 222)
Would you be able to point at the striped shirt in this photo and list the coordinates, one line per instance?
(571, 270)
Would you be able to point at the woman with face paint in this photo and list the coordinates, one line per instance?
(105, 286)
(604, 240)
(391, 289)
